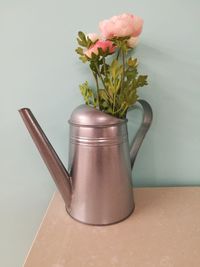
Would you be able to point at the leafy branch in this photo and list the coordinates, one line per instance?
(116, 77)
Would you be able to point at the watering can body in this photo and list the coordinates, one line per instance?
(97, 188)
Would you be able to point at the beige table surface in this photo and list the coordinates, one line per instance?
(164, 231)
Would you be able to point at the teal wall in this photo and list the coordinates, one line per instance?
(39, 69)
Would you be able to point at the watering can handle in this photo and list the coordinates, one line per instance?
(146, 122)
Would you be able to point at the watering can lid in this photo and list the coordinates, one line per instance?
(89, 116)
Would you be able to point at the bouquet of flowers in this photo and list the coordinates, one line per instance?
(113, 68)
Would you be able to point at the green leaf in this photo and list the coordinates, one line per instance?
(82, 40)
(79, 51)
(131, 74)
(141, 80)
(113, 68)
(81, 43)
(103, 95)
(82, 37)
(83, 59)
(88, 95)
(104, 69)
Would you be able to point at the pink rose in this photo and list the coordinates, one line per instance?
(104, 45)
(132, 42)
(93, 37)
(121, 26)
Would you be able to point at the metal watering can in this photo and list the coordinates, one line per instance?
(97, 188)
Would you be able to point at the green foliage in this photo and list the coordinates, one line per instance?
(117, 82)
(113, 79)
(88, 95)
(121, 43)
(83, 40)
(121, 98)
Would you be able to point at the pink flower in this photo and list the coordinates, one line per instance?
(137, 26)
(121, 26)
(93, 37)
(104, 45)
(132, 42)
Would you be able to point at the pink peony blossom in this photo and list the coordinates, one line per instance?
(137, 28)
(104, 45)
(132, 42)
(121, 26)
(93, 36)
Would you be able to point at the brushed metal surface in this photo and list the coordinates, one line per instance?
(144, 127)
(100, 167)
(98, 188)
(48, 154)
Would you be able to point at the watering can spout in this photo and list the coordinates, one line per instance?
(58, 172)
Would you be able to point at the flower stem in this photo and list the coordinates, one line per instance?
(101, 78)
(118, 53)
(123, 73)
(113, 109)
(104, 65)
(124, 108)
(99, 74)
(97, 84)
